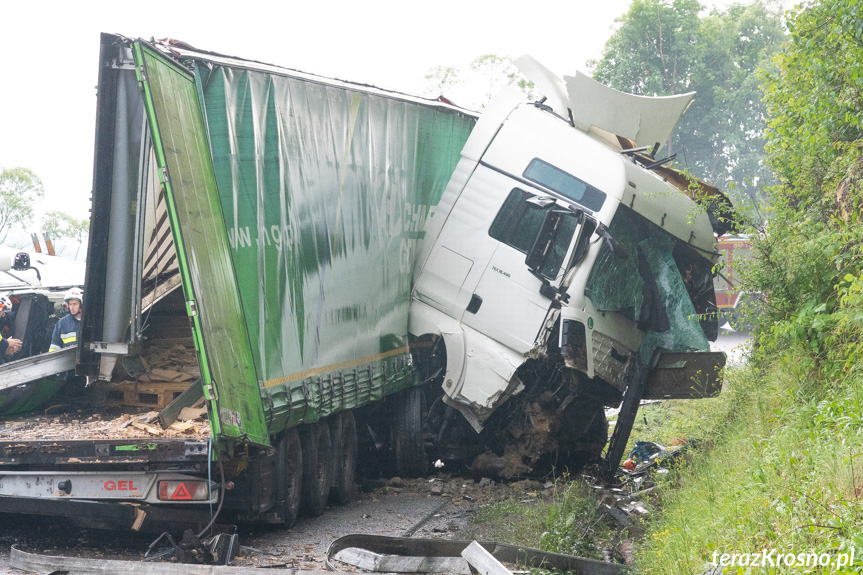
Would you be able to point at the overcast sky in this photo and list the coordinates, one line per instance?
(49, 51)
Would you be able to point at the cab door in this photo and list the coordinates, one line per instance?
(510, 301)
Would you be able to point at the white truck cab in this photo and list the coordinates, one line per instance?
(557, 241)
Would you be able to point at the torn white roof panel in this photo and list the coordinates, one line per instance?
(645, 120)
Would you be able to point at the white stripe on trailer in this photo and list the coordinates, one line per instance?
(130, 485)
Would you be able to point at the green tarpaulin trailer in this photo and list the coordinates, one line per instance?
(296, 204)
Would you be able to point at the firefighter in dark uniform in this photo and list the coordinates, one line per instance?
(8, 344)
(66, 330)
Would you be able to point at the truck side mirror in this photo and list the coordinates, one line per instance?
(21, 263)
(543, 242)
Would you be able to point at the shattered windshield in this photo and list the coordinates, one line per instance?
(646, 287)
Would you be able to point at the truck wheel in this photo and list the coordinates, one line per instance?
(315, 440)
(583, 434)
(343, 433)
(407, 435)
(292, 467)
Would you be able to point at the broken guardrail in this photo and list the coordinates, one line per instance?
(381, 554)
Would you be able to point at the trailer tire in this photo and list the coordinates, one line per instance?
(292, 475)
(343, 433)
(407, 435)
(315, 440)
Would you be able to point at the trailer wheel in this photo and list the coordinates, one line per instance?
(407, 434)
(315, 440)
(292, 480)
(343, 433)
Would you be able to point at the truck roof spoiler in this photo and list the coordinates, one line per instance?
(645, 120)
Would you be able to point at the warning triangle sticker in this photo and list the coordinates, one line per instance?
(181, 492)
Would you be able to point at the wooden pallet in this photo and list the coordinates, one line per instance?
(151, 394)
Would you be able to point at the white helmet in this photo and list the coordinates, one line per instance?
(5, 303)
(74, 293)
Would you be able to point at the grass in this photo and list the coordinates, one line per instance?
(776, 466)
(564, 519)
(780, 471)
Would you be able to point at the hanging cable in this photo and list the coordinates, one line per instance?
(221, 499)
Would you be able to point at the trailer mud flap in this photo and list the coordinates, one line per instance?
(229, 377)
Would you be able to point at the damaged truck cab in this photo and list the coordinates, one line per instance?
(561, 268)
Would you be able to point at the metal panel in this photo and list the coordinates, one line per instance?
(212, 298)
(127, 485)
(37, 367)
(687, 375)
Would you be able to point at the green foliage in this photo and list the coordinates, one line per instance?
(785, 470)
(439, 79)
(575, 523)
(63, 227)
(782, 472)
(810, 257)
(815, 99)
(664, 47)
(20, 188)
(564, 519)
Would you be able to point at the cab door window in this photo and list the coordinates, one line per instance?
(518, 223)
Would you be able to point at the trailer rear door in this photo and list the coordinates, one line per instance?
(230, 381)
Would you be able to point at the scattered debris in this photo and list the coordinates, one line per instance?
(75, 426)
(405, 555)
(645, 454)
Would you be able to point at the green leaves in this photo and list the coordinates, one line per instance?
(19, 190)
(665, 47)
(62, 226)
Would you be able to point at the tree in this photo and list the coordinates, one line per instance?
(473, 88)
(440, 79)
(20, 188)
(664, 47)
(61, 226)
(815, 98)
(811, 259)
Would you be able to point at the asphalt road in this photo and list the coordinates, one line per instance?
(735, 344)
(407, 511)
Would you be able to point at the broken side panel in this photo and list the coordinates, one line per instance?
(203, 253)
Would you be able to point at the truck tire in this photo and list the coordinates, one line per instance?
(343, 433)
(407, 435)
(292, 475)
(583, 434)
(315, 440)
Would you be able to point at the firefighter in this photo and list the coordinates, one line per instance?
(8, 344)
(66, 331)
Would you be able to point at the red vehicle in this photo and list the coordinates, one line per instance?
(730, 298)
